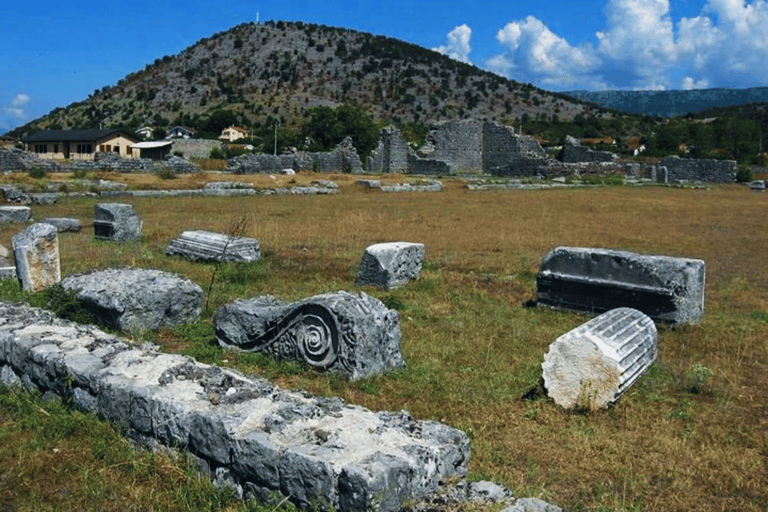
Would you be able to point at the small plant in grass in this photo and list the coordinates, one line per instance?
(37, 173)
(166, 173)
(697, 377)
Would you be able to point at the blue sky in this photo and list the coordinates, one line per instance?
(56, 53)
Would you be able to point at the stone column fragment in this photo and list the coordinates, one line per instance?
(390, 265)
(36, 250)
(210, 246)
(594, 364)
(589, 280)
(117, 222)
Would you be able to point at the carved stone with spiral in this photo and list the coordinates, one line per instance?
(352, 334)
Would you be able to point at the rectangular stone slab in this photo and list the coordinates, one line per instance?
(209, 246)
(314, 450)
(589, 280)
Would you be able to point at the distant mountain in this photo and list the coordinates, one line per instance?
(276, 71)
(671, 103)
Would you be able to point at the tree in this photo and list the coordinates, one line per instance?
(326, 127)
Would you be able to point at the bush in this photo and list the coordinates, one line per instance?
(744, 175)
(37, 173)
(217, 154)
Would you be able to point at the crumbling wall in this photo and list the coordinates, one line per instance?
(14, 159)
(573, 152)
(709, 171)
(342, 159)
(392, 153)
(195, 148)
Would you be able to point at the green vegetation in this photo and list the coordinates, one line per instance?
(690, 434)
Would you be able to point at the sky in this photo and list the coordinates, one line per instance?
(56, 53)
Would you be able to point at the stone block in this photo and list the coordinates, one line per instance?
(594, 364)
(210, 246)
(587, 280)
(117, 222)
(15, 214)
(314, 450)
(137, 298)
(36, 250)
(390, 265)
(64, 224)
(355, 335)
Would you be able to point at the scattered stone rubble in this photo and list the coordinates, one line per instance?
(130, 298)
(354, 335)
(255, 437)
(390, 265)
(15, 213)
(589, 280)
(209, 246)
(593, 365)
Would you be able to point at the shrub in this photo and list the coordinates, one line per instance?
(37, 173)
(744, 175)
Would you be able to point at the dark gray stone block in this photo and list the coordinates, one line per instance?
(355, 335)
(64, 224)
(390, 265)
(15, 213)
(594, 281)
(117, 222)
(137, 298)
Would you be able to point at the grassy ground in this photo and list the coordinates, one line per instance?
(691, 435)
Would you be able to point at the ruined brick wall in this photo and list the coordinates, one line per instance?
(500, 147)
(459, 145)
(13, 159)
(391, 156)
(342, 159)
(427, 166)
(709, 171)
(576, 154)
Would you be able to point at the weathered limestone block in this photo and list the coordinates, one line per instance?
(594, 364)
(588, 280)
(116, 221)
(390, 265)
(210, 246)
(355, 335)
(133, 298)
(15, 213)
(63, 224)
(313, 450)
(36, 250)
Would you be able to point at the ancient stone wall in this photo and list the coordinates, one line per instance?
(13, 159)
(709, 171)
(576, 154)
(391, 156)
(459, 145)
(342, 159)
(116, 163)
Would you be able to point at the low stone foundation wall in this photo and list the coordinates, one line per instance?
(708, 171)
(257, 438)
(343, 159)
(18, 160)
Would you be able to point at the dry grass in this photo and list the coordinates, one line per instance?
(472, 350)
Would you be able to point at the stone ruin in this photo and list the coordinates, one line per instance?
(137, 299)
(208, 246)
(354, 335)
(117, 222)
(36, 251)
(460, 147)
(593, 281)
(15, 214)
(244, 432)
(593, 365)
(343, 159)
(574, 152)
(390, 265)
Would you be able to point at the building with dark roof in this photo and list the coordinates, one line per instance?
(78, 144)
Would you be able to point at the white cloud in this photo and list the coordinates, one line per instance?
(17, 106)
(642, 47)
(458, 46)
(532, 52)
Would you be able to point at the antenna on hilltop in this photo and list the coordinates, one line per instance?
(257, 18)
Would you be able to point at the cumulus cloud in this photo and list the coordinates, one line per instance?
(642, 47)
(534, 53)
(17, 106)
(458, 46)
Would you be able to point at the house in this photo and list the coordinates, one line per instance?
(78, 144)
(180, 132)
(233, 133)
(154, 149)
(145, 132)
(6, 142)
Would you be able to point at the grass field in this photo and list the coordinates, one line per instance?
(691, 435)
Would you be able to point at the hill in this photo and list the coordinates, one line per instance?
(671, 103)
(277, 70)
